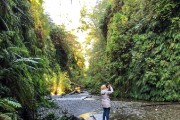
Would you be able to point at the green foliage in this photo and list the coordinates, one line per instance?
(96, 73)
(5, 117)
(29, 55)
(8, 107)
(69, 117)
(67, 52)
(142, 50)
(50, 116)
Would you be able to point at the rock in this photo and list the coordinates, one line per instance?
(93, 118)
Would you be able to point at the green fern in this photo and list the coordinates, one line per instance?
(9, 105)
(9, 108)
(4, 117)
(12, 103)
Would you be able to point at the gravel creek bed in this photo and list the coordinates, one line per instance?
(78, 104)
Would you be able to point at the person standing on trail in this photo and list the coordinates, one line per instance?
(105, 100)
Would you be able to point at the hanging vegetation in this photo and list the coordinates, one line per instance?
(142, 49)
(31, 57)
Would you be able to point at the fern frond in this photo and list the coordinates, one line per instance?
(6, 107)
(9, 105)
(5, 24)
(4, 117)
(25, 60)
(13, 103)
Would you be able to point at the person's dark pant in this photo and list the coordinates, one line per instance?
(106, 113)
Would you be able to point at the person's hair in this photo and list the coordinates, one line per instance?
(107, 84)
(103, 87)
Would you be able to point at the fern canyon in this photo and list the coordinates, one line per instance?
(53, 50)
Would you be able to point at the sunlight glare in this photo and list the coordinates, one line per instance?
(63, 12)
